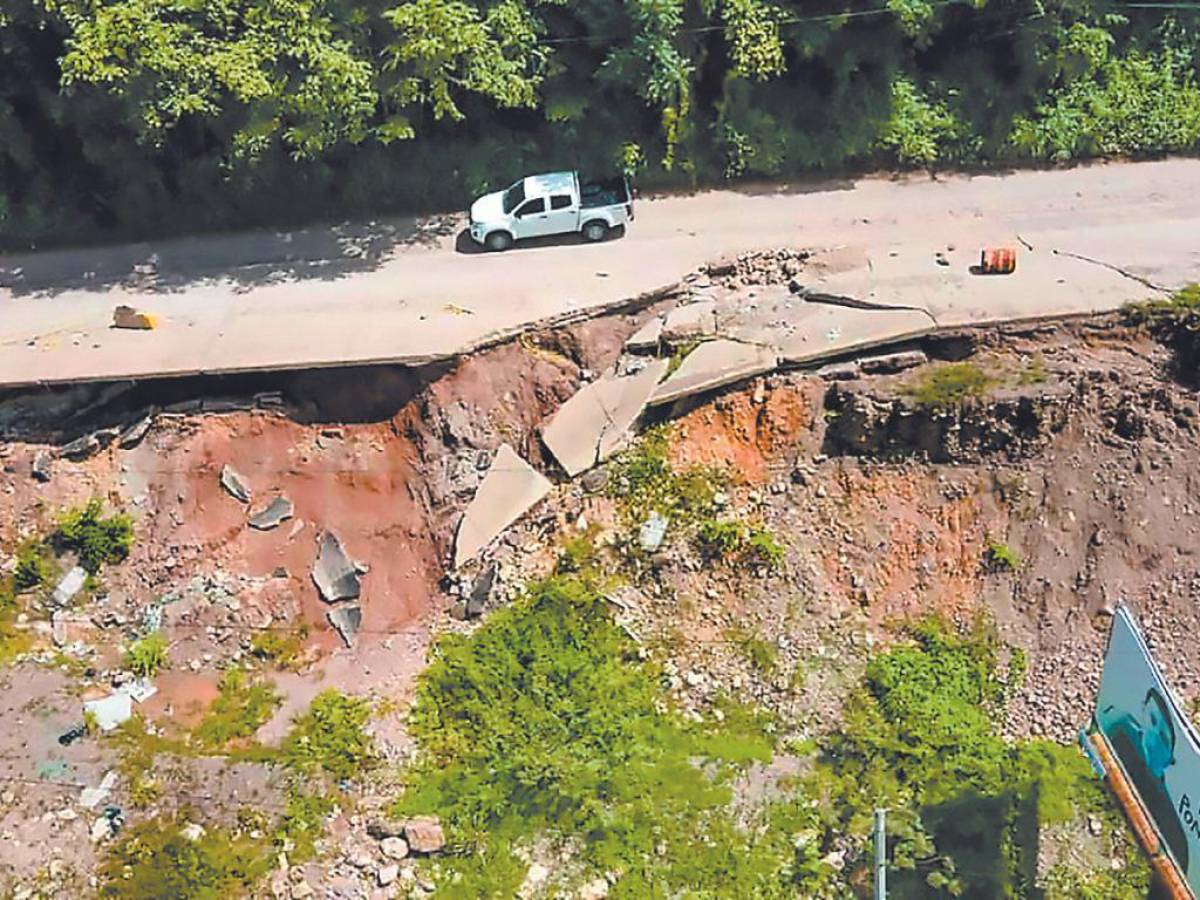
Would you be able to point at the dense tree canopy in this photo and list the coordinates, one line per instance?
(131, 117)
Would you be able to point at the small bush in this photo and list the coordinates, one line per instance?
(301, 822)
(153, 860)
(243, 706)
(147, 656)
(949, 386)
(999, 557)
(645, 481)
(725, 539)
(97, 541)
(283, 648)
(330, 737)
(760, 654)
(1181, 309)
(35, 566)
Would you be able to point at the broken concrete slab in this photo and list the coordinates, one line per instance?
(335, 576)
(92, 797)
(481, 590)
(510, 488)
(890, 363)
(111, 711)
(235, 484)
(690, 322)
(346, 620)
(594, 424)
(277, 511)
(652, 532)
(712, 365)
(820, 330)
(132, 436)
(80, 448)
(128, 317)
(70, 585)
(647, 337)
(842, 371)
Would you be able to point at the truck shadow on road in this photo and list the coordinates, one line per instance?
(246, 260)
(465, 245)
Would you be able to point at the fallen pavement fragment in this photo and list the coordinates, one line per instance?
(279, 510)
(110, 711)
(695, 320)
(347, 620)
(893, 362)
(80, 448)
(70, 585)
(509, 489)
(595, 422)
(93, 797)
(139, 690)
(128, 317)
(647, 337)
(712, 365)
(235, 484)
(334, 574)
(132, 436)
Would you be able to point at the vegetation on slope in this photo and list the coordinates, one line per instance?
(139, 117)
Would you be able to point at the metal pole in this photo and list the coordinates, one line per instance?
(881, 854)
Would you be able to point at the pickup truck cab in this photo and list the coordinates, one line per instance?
(555, 203)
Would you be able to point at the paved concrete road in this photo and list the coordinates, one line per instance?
(401, 292)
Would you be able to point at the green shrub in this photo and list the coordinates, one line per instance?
(35, 566)
(541, 721)
(147, 656)
(301, 822)
(329, 737)
(1000, 557)
(243, 706)
(153, 860)
(644, 480)
(283, 648)
(761, 655)
(98, 541)
(725, 539)
(949, 385)
(1180, 310)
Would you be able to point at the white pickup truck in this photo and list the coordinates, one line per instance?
(555, 203)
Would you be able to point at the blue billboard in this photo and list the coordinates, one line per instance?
(1153, 742)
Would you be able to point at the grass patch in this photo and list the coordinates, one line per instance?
(680, 353)
(153, 860)
(726, 539)
(1033, 372)
(243, 706)
(950, 385)
(329, 737)
(13, 641)
(1180, 310)
(543, 721)
(35, 566)
(147, 656)
(284, 649)
(98, 541)
(644, 481)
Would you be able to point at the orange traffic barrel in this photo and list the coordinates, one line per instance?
(998, 261)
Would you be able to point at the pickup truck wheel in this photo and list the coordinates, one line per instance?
(595, 231)
(498, 241)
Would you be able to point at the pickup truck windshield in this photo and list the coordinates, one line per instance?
(514, 197)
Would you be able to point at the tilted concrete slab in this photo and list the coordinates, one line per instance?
(818, 331)
(595, 422)
(510, 488)
(695, 320)
(335, 576)
(647, 337)
(715, 364)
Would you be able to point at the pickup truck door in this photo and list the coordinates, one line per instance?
(531, 218)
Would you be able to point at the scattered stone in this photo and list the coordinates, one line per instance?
(424, 834)
(300, 890)
(41, 466)
(81, 448)
(510, 488)
(334, 574)
(192, 832)
(380, 829)
(277, 512)
(652, 532)
(481, 590)
(387, 874)
(843, 371)
(712, 365)
(71, 584)
(893, 362)
(235, 484)
(596, 889)
(346, 620)
(128, 317)
(133, 435)
(594, 480)
(102, 829)
(394, 847)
